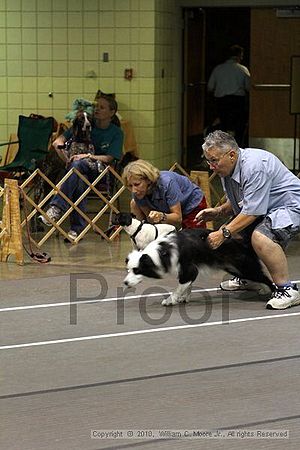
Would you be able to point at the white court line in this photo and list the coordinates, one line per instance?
(151, 330)
(109, 299)
(101, 300)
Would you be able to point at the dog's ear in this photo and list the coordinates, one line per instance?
(76, 123)
(127, 219)
(116, 219)
(123, 219)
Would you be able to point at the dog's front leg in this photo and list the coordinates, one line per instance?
(181, 294)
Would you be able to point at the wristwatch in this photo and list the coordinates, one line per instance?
(226, 233)
(163, 217)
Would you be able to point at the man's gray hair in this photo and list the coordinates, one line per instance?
(221, 140)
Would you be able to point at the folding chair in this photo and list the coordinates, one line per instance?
(33, 139)
(9, 153)
(32, 147)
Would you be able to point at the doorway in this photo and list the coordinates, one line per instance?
(208, 32)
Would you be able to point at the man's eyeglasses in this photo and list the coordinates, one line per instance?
(215, 162)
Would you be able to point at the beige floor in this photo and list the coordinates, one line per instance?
(90, 254)
(119, 361)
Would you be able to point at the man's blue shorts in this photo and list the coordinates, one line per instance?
(281, 236)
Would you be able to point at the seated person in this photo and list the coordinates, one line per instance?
(106, 144)
(162, 196)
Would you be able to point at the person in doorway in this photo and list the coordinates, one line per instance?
(162, 196)
(107, 143)
(263, 196)
(230, 83)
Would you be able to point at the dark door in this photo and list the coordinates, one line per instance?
(194, 85)
(208, 32)
(274, 40)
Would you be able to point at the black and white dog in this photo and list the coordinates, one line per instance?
(141, 233)
(183, 253)
(80, 141)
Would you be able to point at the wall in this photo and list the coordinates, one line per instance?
(57, 46)
(237, 3)
(274, 40)
(167, 97)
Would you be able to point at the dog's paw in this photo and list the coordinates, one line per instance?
(168, 301)
(171, 300)
(174, 300)
(183, 299)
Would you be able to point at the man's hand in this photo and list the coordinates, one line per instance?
(207, 214)
(215, 239)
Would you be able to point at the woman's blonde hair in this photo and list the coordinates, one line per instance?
(141, 169)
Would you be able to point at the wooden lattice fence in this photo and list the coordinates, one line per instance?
(31, 206)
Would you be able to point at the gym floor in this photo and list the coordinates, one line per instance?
(81, 357)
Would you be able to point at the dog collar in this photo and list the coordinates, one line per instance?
(133, 236)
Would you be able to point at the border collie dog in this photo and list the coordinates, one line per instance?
(141, 233)
(80, 141)
(183, 253)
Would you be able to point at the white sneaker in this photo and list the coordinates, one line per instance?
(284, 298)
(72, 235)
(54, 213)
(239, 284)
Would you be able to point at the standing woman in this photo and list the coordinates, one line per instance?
(162, 196)
(107, 140)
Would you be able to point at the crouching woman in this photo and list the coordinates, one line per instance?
(162, 196)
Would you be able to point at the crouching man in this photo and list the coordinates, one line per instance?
(263, 197)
